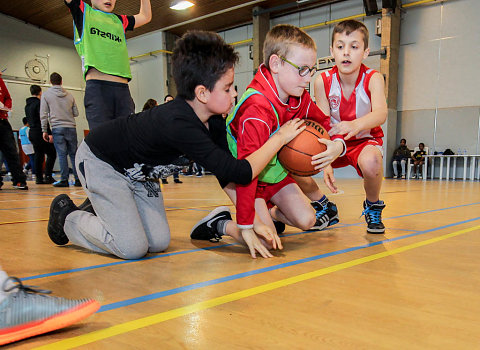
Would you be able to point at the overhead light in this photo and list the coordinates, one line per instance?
(181, 5)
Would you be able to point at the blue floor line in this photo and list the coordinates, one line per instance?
(209, 248)
(215, 281)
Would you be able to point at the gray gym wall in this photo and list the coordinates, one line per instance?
(439, 70)
(19, 43)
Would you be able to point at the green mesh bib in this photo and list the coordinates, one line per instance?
(102, 44)
(274, 171)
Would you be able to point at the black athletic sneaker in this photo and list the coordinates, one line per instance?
(87, 206)
(61, 206)
(49, 179)
(206, 228)
(279, 226)
(373, 217)
(21, 186)
(326, 214)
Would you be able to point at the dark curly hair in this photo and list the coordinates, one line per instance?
(200, 58)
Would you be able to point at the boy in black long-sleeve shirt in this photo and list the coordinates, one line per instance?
(120, 162)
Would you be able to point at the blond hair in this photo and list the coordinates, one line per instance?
(281, 37)
(350, 26)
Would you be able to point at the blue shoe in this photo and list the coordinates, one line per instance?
(26, 312)
(326, 214)
(373, 217)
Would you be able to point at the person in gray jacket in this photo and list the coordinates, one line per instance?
(58, 107)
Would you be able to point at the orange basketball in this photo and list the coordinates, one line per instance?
(296, 156)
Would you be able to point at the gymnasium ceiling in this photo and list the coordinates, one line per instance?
(54, 16)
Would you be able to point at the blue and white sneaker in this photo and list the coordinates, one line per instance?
(326, 213)
(373, 217)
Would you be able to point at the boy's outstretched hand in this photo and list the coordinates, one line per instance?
(347, 128)
(291, 129)
(268, 235)
(329, 179)
(324, 159)
(254, 244)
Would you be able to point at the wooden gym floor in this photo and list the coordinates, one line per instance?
(416, 287)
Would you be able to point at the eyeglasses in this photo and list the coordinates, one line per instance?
(303, 70)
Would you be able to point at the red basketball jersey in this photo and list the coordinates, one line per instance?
(358, 104)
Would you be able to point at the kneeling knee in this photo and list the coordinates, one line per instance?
(159, 246)
(306, 222)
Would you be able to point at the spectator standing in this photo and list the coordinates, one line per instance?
(59, 108)
(27, 146)
(41, 147)
(7, 141)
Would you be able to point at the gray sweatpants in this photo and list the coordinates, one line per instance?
(131, 218)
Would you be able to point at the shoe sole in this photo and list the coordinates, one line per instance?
(376, 231)
(52, 323)
(319, 228)
(54, 202)
(209, 216)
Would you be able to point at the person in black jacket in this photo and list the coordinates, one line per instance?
(119, 162)
(40, 146)
(400, 155)
(7, 142)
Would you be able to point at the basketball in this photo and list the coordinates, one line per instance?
(296, 156)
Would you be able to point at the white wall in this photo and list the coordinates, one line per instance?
(439, 69)
(148, 75)
(20, 43)
(439, 72)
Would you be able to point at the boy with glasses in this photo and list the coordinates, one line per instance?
(276, 95)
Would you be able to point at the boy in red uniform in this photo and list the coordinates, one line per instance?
(276, 95)
(353, 95)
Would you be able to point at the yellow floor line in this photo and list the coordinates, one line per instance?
(185, 310)
(168, 209)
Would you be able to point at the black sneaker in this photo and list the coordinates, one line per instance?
(279, 226)
(61, 206)
(178, 181)
(87, 206)
(77, 183)
(373, 217)
(49, 179)
(21, 186)
(164, 181)
(326, 214)
(206, 228)
(61, 183)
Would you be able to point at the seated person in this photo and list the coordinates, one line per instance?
(418, 161)
(400, 155)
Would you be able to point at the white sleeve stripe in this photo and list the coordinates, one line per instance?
(244, 227)
(260, 120)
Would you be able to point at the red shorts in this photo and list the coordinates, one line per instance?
(267, 191)
(354, 148)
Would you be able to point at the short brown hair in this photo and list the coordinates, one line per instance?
(55, 78)
(279, 39)
(349, 26)
(200, 58)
